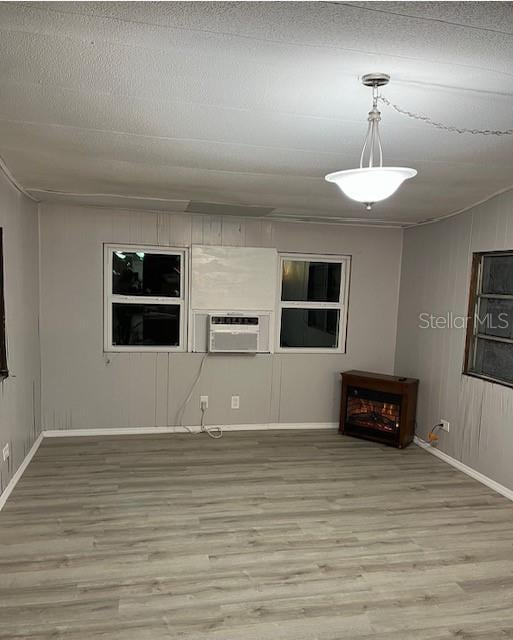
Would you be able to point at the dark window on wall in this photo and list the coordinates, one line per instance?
(146, 274)
(3, 339)
(313, 303)
(489, 344)
(145, 299)
(309, 328)
(145, 325)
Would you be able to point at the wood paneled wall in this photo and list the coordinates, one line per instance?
(435, 279)
(85, 388)
(19, 393)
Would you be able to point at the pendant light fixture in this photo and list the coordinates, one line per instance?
(373, 182)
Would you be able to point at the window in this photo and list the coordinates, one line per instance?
(489, 345)
(145, 299)
(313, 303)
(3, 340)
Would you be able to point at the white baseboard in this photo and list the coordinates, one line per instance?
(280, 426)
(499, 488)
(127, 431)
(19, 472)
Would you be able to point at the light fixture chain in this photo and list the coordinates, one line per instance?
(444, 127)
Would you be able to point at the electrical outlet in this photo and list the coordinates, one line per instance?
(235, 402)
(203, 402)
(5, 452)
(445, 425)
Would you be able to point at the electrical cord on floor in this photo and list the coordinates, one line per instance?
(213, 432)
(181, 410)
(432, 437)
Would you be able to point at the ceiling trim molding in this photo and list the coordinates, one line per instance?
(297, 219)
(359, 222)
(72, 194)
(459, 211)
(13, 182)
(350, 222)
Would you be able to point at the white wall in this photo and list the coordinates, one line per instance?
(83, 387)
(435, 279)
(20, 392)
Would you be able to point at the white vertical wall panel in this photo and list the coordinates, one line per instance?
(161, 389)
(20, 393)
(238, 278)
(232, 233)
(435, 279)
(85, 388)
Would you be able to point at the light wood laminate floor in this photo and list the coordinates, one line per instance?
(290, 535)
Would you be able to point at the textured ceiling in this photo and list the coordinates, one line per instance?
(250, 104)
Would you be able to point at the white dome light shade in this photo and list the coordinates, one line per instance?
(370, 184)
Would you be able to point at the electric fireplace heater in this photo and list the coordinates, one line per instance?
(378, 407)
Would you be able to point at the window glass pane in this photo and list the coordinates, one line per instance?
(498, 274)
(494, 359)
(145, 274)
(145, 325)
(311, 281)
(495, 317)
(309, 328)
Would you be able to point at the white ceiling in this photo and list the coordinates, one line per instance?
(251, 104)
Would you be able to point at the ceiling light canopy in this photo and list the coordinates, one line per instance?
(371, 183)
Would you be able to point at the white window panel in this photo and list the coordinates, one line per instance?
(145, 298)
(312, 303)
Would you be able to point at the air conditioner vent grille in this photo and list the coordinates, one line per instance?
(226, 341)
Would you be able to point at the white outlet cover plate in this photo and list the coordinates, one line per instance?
(445, 425)
(5, 452)
(235, 402)
(204, 401)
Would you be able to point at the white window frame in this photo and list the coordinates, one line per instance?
(345, 262)
(110, 297)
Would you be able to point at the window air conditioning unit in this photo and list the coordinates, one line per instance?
(233, 333)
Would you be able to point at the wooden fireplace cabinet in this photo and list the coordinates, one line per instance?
(402, 390)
